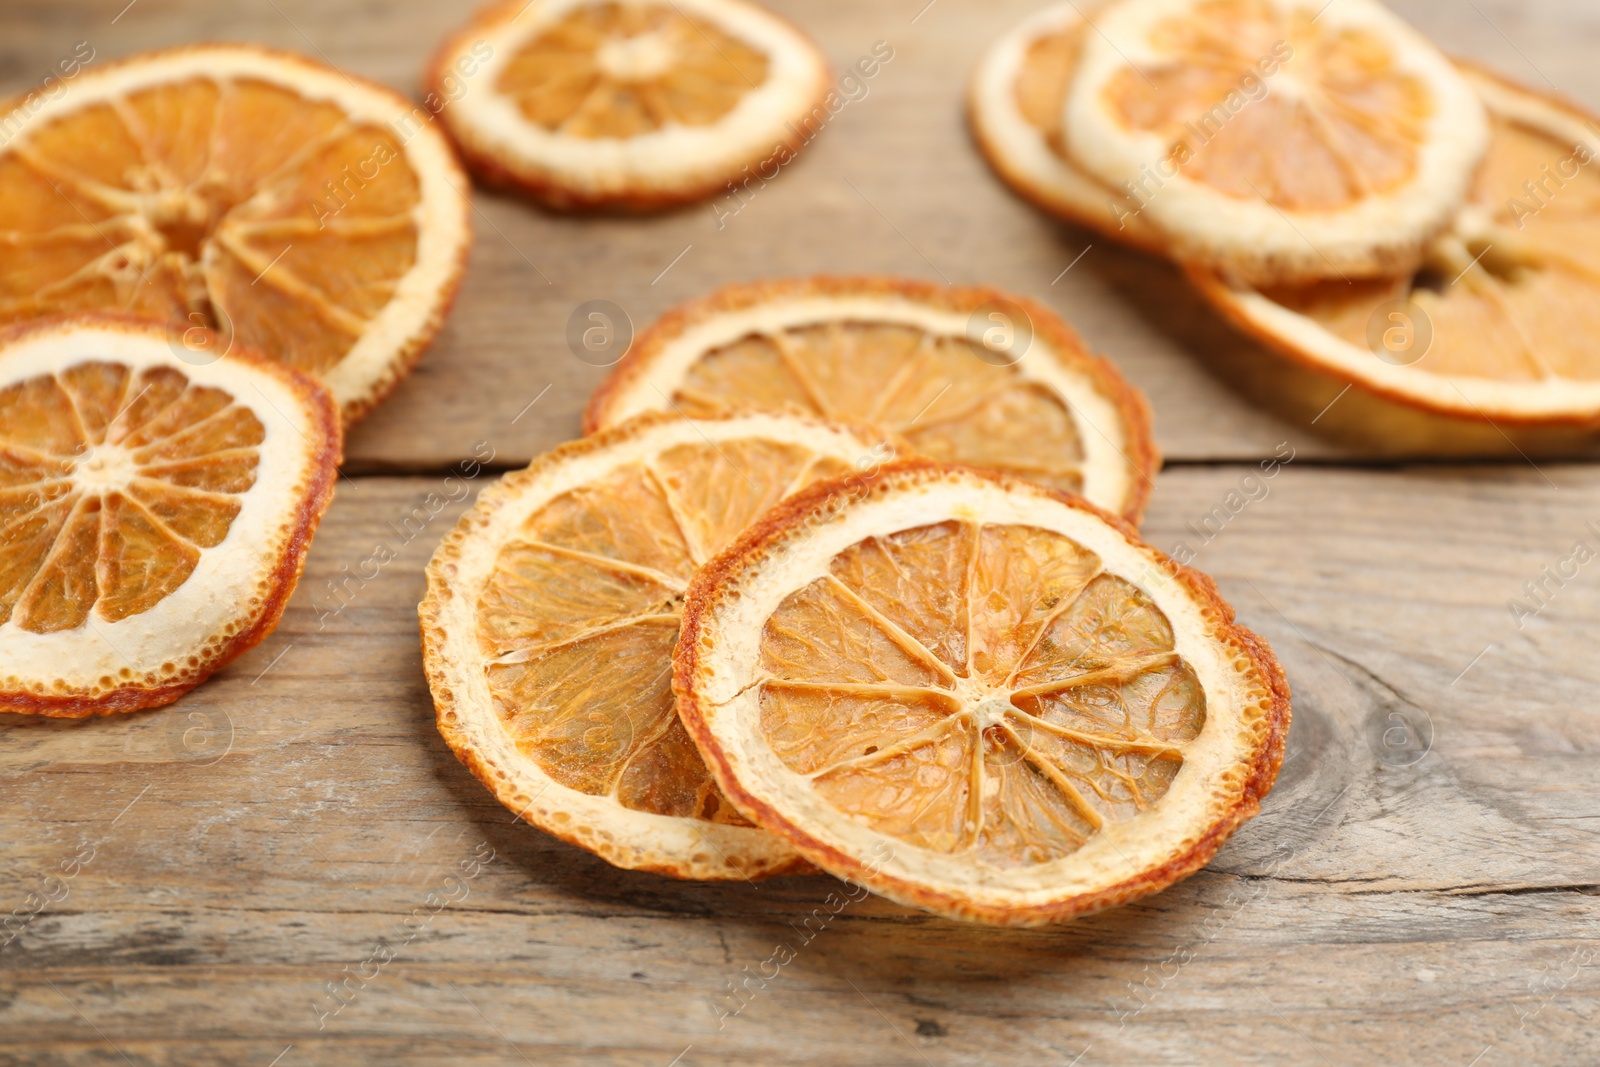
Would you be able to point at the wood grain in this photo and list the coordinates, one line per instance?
(1422, 879)
(184, 885)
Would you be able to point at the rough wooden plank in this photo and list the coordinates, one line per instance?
(893, 186)
(1420, 887)
(1422, 878)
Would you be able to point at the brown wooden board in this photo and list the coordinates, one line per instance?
(1420, 887)
(1422, 879)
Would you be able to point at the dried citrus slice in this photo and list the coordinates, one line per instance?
(1276, 139)
(976, 696)
(967, 375)
(551, 615)
(634, 104)
(1016, 103)
(1501, 321)
(154, 514)
(306, 214)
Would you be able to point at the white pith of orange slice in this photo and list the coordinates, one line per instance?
(634, 104)
(1276, 139)
(975, 696)
(318, 218)
(154, 513)
(1015, 104)
(1510, 295)
(551, 615)
(909, 357)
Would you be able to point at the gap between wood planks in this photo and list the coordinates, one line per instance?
(379, 469)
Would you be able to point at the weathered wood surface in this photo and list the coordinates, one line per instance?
(1420, 887)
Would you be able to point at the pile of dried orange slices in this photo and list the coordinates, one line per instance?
(210, 259)
(821, 588)
(1329, 180)
(844, 574)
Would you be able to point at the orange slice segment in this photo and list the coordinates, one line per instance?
(966, 375)
(314, 217)
(155, 515)
(1016, 106)
(1500, 321)
(975, 696)
(551, 615)
(1276, 139)
(636, 104)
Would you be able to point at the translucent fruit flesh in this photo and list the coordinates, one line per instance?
(984, 690)
(946, 396)
(1340, 121)
(1043, 79)
(111, 483)
(231, 203)
(1513, 293)
(614, 70)
(579, 619)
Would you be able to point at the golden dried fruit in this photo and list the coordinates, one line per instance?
(976, 696)
(154, 514)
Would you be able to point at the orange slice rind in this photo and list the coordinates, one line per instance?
(552, 611)
(963, 374)
(975, 696)
(631, 104)
(154, 514)
(1015, 105)
(1500, 321)
(318, 218)
(1275, 140)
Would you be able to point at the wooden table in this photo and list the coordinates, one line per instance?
(1420, 887)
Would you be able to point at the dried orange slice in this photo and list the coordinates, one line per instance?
(552, 611)
(315, 217)
(1016, 103)
(1501, 321)
(634, 104)
(154, 514)
(1276, 139)
(975, 696)
(967, 375)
